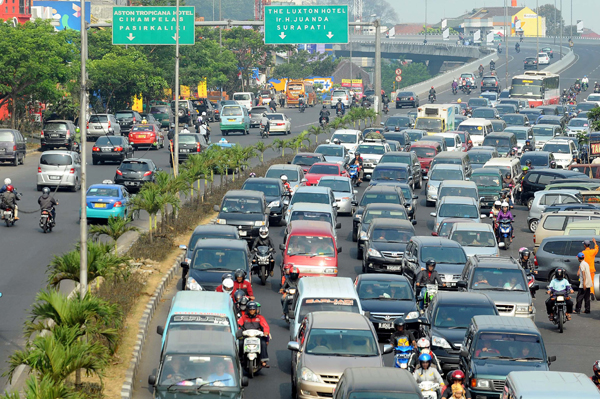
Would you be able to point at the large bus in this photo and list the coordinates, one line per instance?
(537, 87)
(295, 88)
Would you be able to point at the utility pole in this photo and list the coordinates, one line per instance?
(83, 229)
(571, 19)
(377, 74)
(561, 29)
(220, 27)
(507, 31)
(176, 135)
(555, 22)
(537, 27)
(425, 41)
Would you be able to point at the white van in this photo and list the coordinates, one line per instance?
(477, 128)
(315, 294)
(245, 98)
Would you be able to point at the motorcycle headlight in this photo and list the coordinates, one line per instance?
(483, 384)
(306, 374)
(364, 235)
(412, 315)
(192, 285)
(274, 204)
(221, 221)
(259, 223)
(374, 252)
(440, 342)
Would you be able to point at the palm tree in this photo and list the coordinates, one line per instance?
(316, 130)
(337, 123)
(261, 148)
(44, 388)
(96, 318)
(60, 354)
(280, 144)
(116, 227)
(146, 200)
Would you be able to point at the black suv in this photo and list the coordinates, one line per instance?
(126, 119)
(189, 144)
(58, 133)
(376, 194)
(246, 209)
(537, 180)
(385, 244)
(275, 195)
(204, 105)
(134, 172)
(187, 113)
(490, 83)
(373, 212)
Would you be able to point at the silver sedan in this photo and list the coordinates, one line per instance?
(343, 191)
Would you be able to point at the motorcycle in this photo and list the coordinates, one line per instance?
(264, 131)
(386, 109)
(339, 112)
(481, 73)
(531, 281)
(302, 106)
(431, 291)
(492, 67)
(46, 221)
(560, 308)
(597, 89)
(8, 215)
(466, 89)
(323, 121)
(578, 88)
(504, 233)
(289, 297)
(432, 98)
(262, 263)
(454, 90)
(252, 343)
(272, 106)
(518, 49)
(353, 172)
(402, 355)
(585, 86)
(429, 389)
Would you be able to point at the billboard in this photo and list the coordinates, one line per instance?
(67, 14)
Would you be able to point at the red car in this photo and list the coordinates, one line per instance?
(146, 136)
(426, 151)
(321, 169)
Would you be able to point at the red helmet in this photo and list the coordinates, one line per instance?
(457, 375)
(597, 368)
(432, 87)
(10, 188)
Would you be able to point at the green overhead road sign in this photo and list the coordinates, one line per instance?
(152, 25)
(306, 24)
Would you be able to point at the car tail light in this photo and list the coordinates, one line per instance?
(42, 134)
(87, 125)
(482, 83)
(198, 147)
(118, 204)
(95, 149)
(72, 171)
(14, 148)
(134, 119)
(535, 260)
(119, 172)
(280, 124)
(68, 133)
(39, 170)
(148, 173)
(412, 98)
(534, 238)
(109, 124)
(118, 149)
(496, 83)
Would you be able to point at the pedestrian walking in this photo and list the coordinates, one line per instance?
(585, 282)
(590, 258)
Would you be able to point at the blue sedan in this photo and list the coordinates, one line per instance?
(106, 200)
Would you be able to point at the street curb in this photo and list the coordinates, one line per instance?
(17, 382)
(144, 325)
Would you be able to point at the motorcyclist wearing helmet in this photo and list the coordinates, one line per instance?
(336, 141)
(8, 200)
(358, 161)
(457, 377)
(7, 182)
(432, 92)
(286, 184)
(252, 320)
(226, 286)
(263, 239)
(525, 259)
(425, 372)
(596, 377)
(492, 65)
(324, 114)
(427, 276)
(339, 107)
(527, 146)
(559, 283)
(507, 180)
(401, 336)
(290, 282)
(241, 301)
(481, 68)
(454, 84)
(240, 283)
(185, 129)
(224, 277)
(47, 203)
(495, 210)
(552, 164)
(423, 346)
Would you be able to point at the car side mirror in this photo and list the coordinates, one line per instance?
(415, 197)
(551, 359)
(282, 247)
(407, 205)
(414, 222)
(433, 214)
(381, 123)
(216, 208)
(464, 353)
(293, 346)
(160, 330)
(339, 250)
(387, 349)
(483, 216)
(355, 203)
(152, 380)
(433, 233)
(244, 381)
(461, 284)
(184, 247)
(354, 192)
(304, 180)
(327, 141)
(530, 137)
(338, 225)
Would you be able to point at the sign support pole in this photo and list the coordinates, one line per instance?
(176, 135)
(83, 230)
(377, 74)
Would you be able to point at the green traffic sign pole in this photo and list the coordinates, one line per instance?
(176, 134)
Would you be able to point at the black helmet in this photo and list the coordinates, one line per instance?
(46, 191)
(553, 164)
(239, 295)
(324, 106)
(559, 274)
(240, 273)
(430, 262)
(244, 302)
(508, 175)
(357, 154)
(525, 253)
(226, 275)
(294, 273)
(399, 322)
(528, 162)
(252, 306)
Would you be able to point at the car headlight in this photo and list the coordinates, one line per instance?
(433, 189)
(483, 384)
(374, 252)
(221, 221)
(495, 197)
(330, 271)
(412, 315)
(524, 308)
(274, 204)
(358, 217)
(193, 285)
(364, 235)
(306, 374)
(440, 342)
(259, 223)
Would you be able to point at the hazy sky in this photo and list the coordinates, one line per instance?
(438, 9)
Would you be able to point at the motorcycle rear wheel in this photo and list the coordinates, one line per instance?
(560, 321)
(262, 273)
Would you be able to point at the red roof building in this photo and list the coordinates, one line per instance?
(19, 9)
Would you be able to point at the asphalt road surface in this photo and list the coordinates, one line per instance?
(574, 348)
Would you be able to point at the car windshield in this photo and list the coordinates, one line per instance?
(473, 130)
(108, 140)
(424, 152)
(275, 173)
(375, 198)
(474, 238)
(134, 166)
(334, 151)
(586, 106)
(338, 186)
(391, 234)
(490, 96)
(543, 131)
(341, 343)
(498, 142)
(269, 189)
(479, 156)
(306, 160)
(390, 174)
(458, 211)
(478, 102)
(103, 192)
(430, 125)
(401, 121)
(458, 192)
(325, 169)
(485, 180)
(457, 316)
(349, 138)
(399, 137)
(56, 159)
(519, 133)
(311, 216)
(231, 111)
(371, 149)
(311, 246)
(556, 148)
(241, 205)
(312, 198)
(198, 372)
(488, 278)
(509, 347)
(219, 259)
(444, 254)
(446, 174)
(370, 215)
(578, 123)
(396, 158)
(398, 290)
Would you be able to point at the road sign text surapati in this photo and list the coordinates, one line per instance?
(152, 25)
(306, 24)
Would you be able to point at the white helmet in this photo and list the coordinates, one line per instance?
(283, 178)
(264, 232)
(497, 203)
(227, 285)
(204, 114)
(505, 204)
(423, 343)
(7, 181)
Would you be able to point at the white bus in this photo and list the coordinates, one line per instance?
(537, 87)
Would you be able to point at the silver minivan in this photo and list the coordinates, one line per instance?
(103, 125)
(548, 384)
(59, 168)
(341, 94)
(543, 199)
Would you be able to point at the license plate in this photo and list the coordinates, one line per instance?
(141, 136)
(131, 183)
(106, 149)
(99, 205)
(231, 120)
(394, 267)
(54, 177)
(184, 150)
(242, 233)
(97, 127)
(451, 284)
(387, 326)
(55, 135)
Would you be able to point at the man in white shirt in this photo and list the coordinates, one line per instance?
(585, 284)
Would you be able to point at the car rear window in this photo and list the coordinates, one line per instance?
(232, 111)
(187, 139)
(143, 128)
(124, 115)
(241, 96)
(159, 110)
(56, 126)
(135, 166)
(306, 160)
(56, 159)
(489, 81)
(98, 118)
(6, 137)
(103, 192)
(105, 140)
(339, 93)
(276, 173)
(373, 198)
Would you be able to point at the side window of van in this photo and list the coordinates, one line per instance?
(556, 222)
